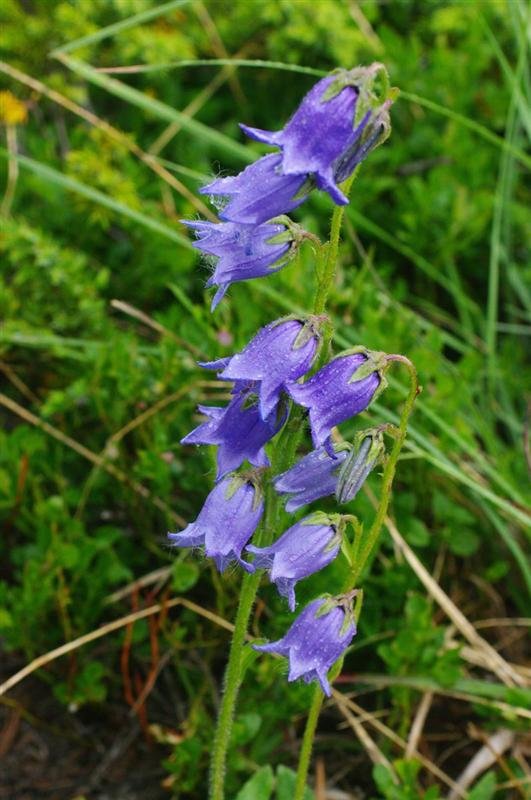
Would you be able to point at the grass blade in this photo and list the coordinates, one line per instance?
(431, 105)
(118, 27)
(157, 108)
(54, 176)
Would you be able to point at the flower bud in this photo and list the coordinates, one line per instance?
(366, 453)
(313, 477)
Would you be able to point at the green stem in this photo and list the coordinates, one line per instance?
(307, 744)
(364, 553)
(371, 539)
(248, 592)
(283, 452)
(328, 270)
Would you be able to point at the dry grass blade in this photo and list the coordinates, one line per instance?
(393, 737)
(190, 110)
(161, 574)
(219, 48)
(12, 171)
(225, 74)
(418, 724)
(19, 384)
(491, 660)
(95, 459)
(146, 158)
(369, 745)
(459, 694)
(141, 316)
(113, 440)
(68, 647)
(486, 757)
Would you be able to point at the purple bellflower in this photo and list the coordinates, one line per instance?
(243, 251)
(238, 430)
(282, 351)
(341, 389)
(335, 126)
(318, 637)
(314, 476)
(303, 549)
(259, 193)
(317, 135)
(226, 522)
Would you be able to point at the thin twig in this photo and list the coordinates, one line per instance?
(68, 647)
(146, 158)
(141, 316)
(418, 724)
(392, 736)
(491, 659)
(83, 451)
(12, 171)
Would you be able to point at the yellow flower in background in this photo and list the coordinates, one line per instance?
(12, 110)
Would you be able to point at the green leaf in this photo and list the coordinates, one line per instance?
(383, 778)
(259, 787)
(286, 779)
(118, 27)
(485, 788)
(53, 176)
(184, 575)
(463, 541)
(416, 533)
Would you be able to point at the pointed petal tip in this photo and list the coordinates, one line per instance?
(261, 135)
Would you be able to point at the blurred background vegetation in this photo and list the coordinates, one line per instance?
(103, 316)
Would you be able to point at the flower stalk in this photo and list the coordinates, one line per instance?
(284, 379)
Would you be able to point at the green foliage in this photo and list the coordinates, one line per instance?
(405, 785)
(264, 785)
(85, 503)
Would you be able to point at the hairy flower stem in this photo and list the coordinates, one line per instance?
(327, 272)
(232, 682)
(283, 451)
(369, 542)
(307, 744)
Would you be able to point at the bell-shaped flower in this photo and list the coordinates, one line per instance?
(333, 128)
(311, 478)
(303, 549)
(341, 389)
(318, 637)
(238, 429)
(282, 351)
(226, 522)
(242, 251)
(260, 192)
